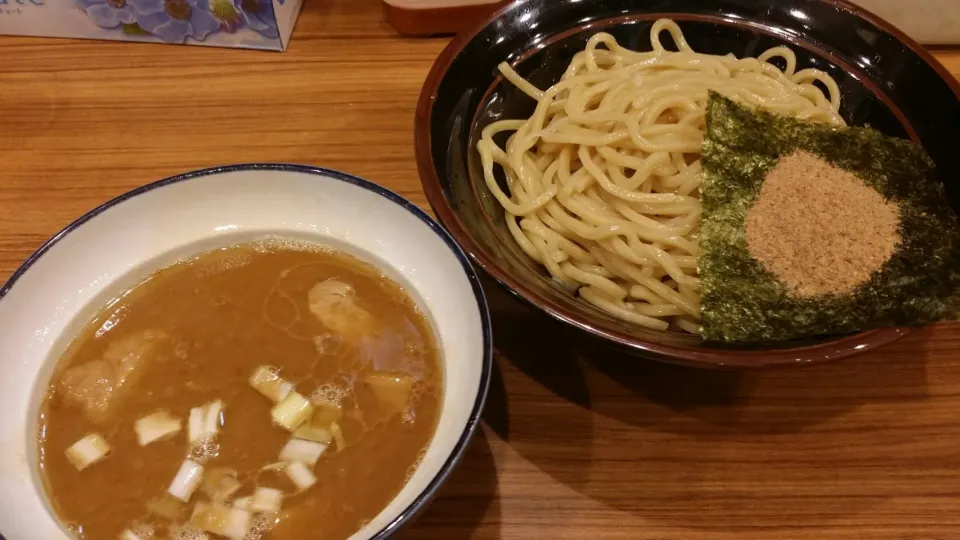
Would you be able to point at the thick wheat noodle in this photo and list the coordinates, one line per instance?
(603, 178)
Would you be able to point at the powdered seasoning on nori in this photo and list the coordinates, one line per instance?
(742, 302)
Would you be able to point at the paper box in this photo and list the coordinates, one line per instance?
(256, 24)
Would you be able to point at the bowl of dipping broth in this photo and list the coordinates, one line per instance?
(603, 161)
(255, 351)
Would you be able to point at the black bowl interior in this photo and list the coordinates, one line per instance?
(885, 84)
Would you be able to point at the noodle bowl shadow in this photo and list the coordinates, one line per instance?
(886, 81)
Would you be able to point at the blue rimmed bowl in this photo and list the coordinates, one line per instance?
(104, 253)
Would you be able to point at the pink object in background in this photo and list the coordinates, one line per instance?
(927, 21)
(435, 17)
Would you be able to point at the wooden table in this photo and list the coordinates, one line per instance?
(575, 446)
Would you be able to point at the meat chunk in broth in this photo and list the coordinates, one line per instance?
(334, 303)
(95, 386)
(386, 352)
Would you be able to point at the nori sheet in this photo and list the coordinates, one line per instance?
(742, 302)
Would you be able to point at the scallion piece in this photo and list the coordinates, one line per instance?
(233, 523)
(310, 432)
(87, 451)
(276, 466)
(292, 411)
(212, 419)
(199, 511)
(186, 480)
(268, 382)
(300, 475)
(338, 436)
(220, 483)
(328, 404)
(303, 451)
(205, 422)
(266, 500)
(195, 425)
(156, 426)
(167, 506)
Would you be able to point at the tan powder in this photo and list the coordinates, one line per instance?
(818, 228)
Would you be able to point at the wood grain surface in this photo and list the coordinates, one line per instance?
(576, 444)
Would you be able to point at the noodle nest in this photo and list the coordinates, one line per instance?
(603, 179)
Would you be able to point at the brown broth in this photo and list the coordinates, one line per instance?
(223, 314)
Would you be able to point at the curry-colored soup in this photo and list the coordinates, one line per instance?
(255, 328)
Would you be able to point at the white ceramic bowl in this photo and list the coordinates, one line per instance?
(47, 301)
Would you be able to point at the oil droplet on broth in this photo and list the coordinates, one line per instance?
(261, 524)
(204, 451)
(181, 349)
(144, 530)
(223, 261)
(186, 532)
(76, 530)
(330, 393)
(328, 345)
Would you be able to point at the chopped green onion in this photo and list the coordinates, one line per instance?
(87, 451)
(327, 409)
(338, 436)
(292, 411)
(167, 506)
(199, 511)
(276, 466)
(243, 503)
(205, 422)
(266, 500)
(233, 523)
(300, 475)
(195, 425)
(267, 381)
(303, 451)
(220, 484)
(212, 419)
(310, 432)
(155, 427)
(186, 480)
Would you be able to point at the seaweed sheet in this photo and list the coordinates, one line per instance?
(743, 302)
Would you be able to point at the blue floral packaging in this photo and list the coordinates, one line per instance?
(252, 24)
